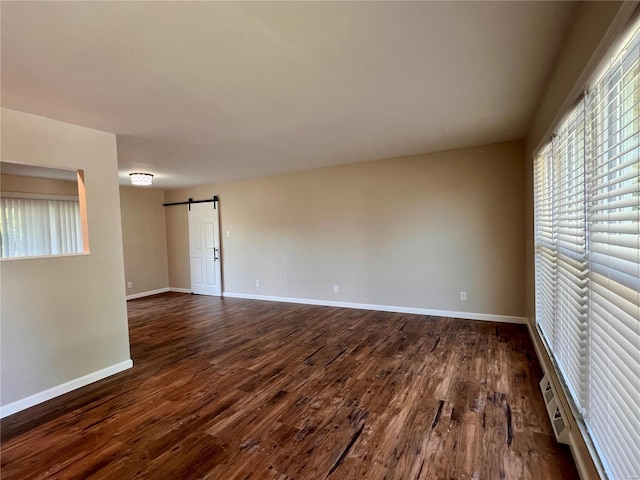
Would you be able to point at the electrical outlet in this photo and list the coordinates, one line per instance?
(228, 233)
(258, 283)
(129, 284)
(336, 289)
(463, 296)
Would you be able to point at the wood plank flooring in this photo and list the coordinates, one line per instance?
(241, 389)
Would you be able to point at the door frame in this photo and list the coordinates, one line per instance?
(217, 246)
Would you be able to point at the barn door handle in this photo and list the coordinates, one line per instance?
(215, 254)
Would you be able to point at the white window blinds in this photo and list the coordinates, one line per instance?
(545, 258)
(31, 227)
(570, 244)
(587, 240)
(614, 260)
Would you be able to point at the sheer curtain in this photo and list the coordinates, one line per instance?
(30, 227)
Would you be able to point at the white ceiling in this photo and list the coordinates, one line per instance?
(202, 92)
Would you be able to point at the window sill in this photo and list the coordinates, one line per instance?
(40, 257)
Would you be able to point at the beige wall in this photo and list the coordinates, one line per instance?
(144, 239)
(178, 237)
(18, 184)
(595, 27)
(64, 317)
(408, 232)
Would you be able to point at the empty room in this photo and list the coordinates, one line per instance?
(320, 240)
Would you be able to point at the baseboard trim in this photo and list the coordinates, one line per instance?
(180, 290)
(67, 387)
(382, 308)
(148, 294)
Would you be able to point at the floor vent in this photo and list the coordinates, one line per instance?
(555, 411)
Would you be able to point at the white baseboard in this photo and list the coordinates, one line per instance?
(383, 308)
(148, 294)
(180, 290)
(67, 387)
(156, 292)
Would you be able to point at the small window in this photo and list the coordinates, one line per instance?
(41, 212)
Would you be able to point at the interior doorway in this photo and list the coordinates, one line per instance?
(204, 248)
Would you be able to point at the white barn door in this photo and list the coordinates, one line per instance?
(204, 244)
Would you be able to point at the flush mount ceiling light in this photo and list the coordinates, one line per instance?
(142, 179)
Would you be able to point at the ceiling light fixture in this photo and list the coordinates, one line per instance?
(141, 179)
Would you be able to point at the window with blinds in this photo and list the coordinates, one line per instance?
(587, 258)
(570, 252)
(32, 227)
(545, 257)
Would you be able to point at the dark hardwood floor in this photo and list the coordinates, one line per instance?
(240, 389)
